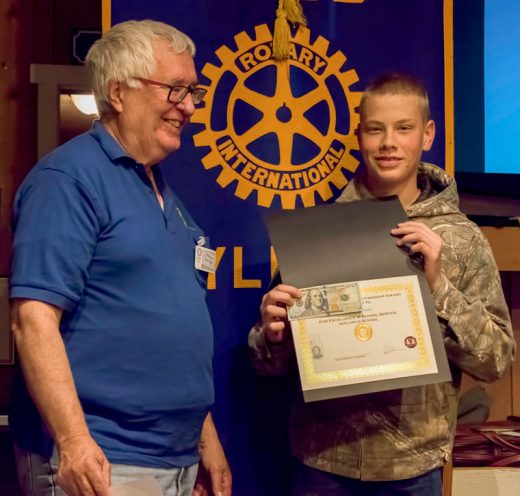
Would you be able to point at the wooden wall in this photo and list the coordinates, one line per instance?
(37, 31)
(31, 31)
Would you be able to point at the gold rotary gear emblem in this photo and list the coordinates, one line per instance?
(282, 116)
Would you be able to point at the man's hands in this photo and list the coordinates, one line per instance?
(84, 469)
(273, 311)
(419, 238)
(214, 475)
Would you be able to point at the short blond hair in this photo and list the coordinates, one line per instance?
(126, 52)
(396, 83)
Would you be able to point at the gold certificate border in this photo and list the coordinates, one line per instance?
(375, 371)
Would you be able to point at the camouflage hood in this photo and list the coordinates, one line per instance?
(441, 189)
(438, 188)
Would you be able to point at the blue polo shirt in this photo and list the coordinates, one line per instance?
(91, 238)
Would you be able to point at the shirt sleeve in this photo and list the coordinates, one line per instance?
(55, 232)
(473, 313)
(270, 359)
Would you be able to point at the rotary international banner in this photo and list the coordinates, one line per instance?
(280, 135)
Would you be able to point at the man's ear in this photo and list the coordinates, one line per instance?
(115, 94)
(429, 135)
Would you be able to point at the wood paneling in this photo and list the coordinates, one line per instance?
(486, 481)
(17, 135)
(31, 31)
(505, 243)
(37, 31)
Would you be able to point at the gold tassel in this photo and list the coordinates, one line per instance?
(288, 12)
(282, 33)
(295, 12)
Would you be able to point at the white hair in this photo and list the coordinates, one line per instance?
(126, 52)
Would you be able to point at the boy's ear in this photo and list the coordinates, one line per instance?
(429, 135)
(357, 133)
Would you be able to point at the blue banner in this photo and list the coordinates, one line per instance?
(279, 135)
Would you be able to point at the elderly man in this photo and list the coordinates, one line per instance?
(108, 310)
(395, 442)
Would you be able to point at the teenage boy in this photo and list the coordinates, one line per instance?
(396, 442)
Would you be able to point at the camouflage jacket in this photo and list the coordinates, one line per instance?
(404, 433)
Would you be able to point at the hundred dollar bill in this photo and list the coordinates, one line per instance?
(320, 301)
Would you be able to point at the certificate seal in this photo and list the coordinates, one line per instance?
(410, 341)
(363, 332)
(316, 352)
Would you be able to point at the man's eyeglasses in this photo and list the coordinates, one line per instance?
(177, 92)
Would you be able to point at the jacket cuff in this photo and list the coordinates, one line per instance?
(274, 351)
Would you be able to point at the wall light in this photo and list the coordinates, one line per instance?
(85, 103)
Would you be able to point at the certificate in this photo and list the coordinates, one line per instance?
(367, 321)
(388, 338)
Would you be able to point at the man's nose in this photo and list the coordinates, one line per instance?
(187, 105)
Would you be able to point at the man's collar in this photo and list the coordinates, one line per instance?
(111, 147)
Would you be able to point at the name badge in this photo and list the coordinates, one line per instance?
(205, 259)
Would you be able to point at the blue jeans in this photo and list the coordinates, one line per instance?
(308, 481)
(36, 475)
